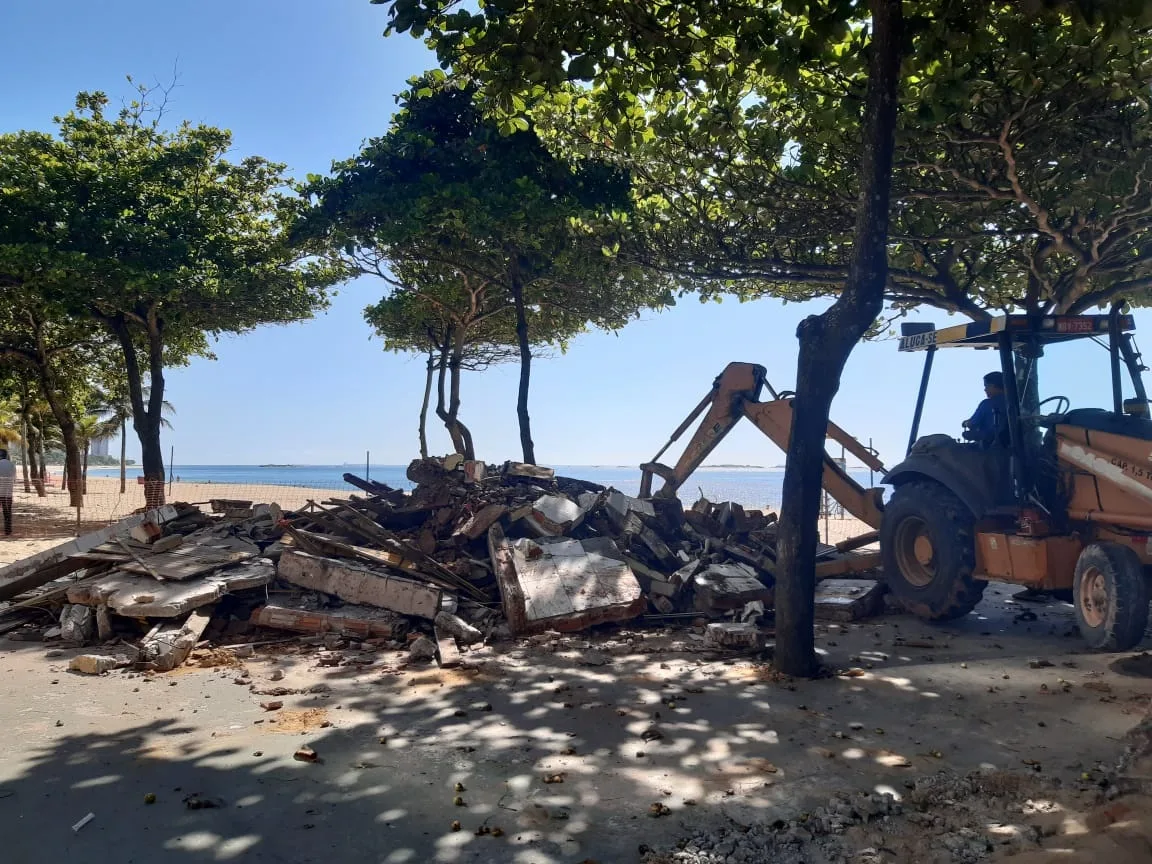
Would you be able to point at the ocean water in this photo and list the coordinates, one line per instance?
(749, 487)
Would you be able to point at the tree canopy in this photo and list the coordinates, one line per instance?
(463, 203)
(154, 234)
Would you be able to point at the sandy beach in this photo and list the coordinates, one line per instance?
(40, 523)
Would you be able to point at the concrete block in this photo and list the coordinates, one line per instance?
(356, 584)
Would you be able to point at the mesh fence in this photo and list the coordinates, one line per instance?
(41, 520)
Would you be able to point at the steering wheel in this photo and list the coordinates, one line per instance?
(1063, 404)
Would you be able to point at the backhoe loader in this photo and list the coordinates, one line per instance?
(1060, 502)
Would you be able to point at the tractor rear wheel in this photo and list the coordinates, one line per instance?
(928, 550)
(1111, 597)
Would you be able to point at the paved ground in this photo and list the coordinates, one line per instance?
(714, 739)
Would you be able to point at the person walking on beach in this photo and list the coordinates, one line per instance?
(7, 484)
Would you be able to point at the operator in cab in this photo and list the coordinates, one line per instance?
(989, 422)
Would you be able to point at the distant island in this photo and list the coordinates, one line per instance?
(275, 466)
(754, 467)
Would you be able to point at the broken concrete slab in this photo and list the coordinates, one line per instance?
(553, 516)
(848, 599)
(563, 585)
(723, 587)
(166, 544)
(362, 621)
(357, 584)
(143, 597)
(194, 559)
(43, 567)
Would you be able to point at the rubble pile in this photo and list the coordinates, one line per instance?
(473, 552)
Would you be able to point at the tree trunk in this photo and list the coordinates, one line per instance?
(146, 419)
(84, 476)
(517, 283)
(25, 444)
(53, 395)
(826, 341)
(43, 457)
(424, 405)
(442, 402)
(65, 475)
(123, 455)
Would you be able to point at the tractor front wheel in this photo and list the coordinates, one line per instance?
(928, 550)
(1111, 597)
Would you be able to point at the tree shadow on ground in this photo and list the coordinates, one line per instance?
(560, 750)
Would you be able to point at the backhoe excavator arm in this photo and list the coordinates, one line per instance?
(735, 394)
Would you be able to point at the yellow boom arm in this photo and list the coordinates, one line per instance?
(736, 394)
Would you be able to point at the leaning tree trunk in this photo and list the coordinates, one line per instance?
(123, 455)
(452, 424)
(516, 281)
(826, 341)
(66, 474)
(53, 395)
(425, 403)
(454, 369)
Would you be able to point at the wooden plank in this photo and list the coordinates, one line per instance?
(357, 584)
(857, 542)
(450, 656)
(848, 563)
(192, 560)
(136, 557)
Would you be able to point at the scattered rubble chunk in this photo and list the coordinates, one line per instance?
(422, 649)
(98, 664)
(732, 635)
(724, 587)
(848, 599)
(458, 627)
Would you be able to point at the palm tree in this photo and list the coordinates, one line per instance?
(115, 409)
(88, 427)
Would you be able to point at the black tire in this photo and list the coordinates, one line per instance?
(1110, 596)
(942, 587)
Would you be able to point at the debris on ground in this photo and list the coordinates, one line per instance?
(473, 553)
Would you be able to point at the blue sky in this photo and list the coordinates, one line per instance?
(305, 82)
